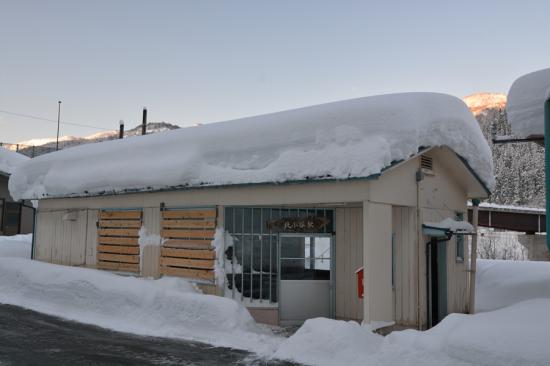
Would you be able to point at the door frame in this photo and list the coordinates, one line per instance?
(332, 284)
(436, 263)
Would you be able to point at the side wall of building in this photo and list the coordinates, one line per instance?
(50, 242)
(393, 239)
(349, 258)
(378, 225)
(442, 196)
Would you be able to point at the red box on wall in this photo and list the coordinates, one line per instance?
(360, 287)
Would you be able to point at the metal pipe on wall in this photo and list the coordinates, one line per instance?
(547, 165)
(473, 258)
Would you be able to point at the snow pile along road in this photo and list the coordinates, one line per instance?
(324, 341)
(172, 307)
(168, 307)
(16, 246)
(348, 139)
(515, 335)
(502, 283)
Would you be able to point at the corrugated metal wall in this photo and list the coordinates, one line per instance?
(61, 237)
(349, 257)
(406, 267)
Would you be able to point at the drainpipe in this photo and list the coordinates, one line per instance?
(547, 165)
(419, 238)
(33, 231)
(473, 258)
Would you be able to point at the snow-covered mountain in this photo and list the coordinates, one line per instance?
(41, 146)
(519, 167)
(482, 102)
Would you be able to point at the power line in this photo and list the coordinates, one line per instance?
(54, 121)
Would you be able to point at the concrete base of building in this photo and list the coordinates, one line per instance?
(265, 316)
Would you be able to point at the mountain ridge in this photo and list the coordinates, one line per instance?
(36, 147)
(483, 101)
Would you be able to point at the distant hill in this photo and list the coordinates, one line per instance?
(41, 146)
(519, 167)
(482, 102)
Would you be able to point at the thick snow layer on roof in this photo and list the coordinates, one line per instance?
(499, 207)
(525, 106)
(9, 160)
(341, 140)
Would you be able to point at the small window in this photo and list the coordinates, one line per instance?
(459, 240)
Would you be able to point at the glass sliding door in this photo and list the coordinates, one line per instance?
(305, 269)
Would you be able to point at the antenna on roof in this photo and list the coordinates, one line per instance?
(144, 122)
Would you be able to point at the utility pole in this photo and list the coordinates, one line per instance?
(144, 122)
(58, 119)
(121, 129)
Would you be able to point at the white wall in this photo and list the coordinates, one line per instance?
(442, 196)
(377, 234)
(284, 194)
(349, 257)
(406, 280)
(61, 237)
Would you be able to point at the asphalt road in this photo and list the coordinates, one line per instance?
(31, 338)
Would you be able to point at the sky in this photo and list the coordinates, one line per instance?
(204, 61)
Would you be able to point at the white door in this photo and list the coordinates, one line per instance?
(305, 278)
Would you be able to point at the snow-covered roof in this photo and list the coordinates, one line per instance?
(509, 208)
(451, 225)
(9, 160)
(348, 139)
(525, 106)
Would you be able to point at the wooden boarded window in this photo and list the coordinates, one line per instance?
(187, 243)
(118, 247)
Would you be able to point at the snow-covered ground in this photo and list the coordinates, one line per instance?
(168, 307)
(502, 283)
(511, 328)
(16, 246)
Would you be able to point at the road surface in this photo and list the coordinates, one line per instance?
(31, 338)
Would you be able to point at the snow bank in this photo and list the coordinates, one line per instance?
(502, 283)
(525, 106)
(516, 335)
(16, 246)
(9, 160)
(172, 307)
(169, 307)
(323, 341)
(340, 140)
